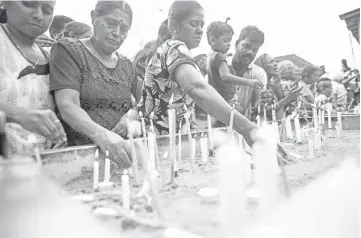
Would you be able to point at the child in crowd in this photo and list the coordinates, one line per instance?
(219, 36)
(77, 30)
(324, 92)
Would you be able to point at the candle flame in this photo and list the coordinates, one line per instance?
(185, 107)
(151, 116)
(96, 154)
(202, 135)
(107, 154)
(140, 114)
(171, 100)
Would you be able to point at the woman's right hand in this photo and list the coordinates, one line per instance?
(45, 123)
(119, 150)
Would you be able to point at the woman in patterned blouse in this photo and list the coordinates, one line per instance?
(172, 71)
(93, 83)
(24, 78)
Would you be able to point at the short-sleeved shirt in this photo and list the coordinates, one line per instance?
(160, 85)
(226, 90)
(248, 97)
(340, 92)
(24, 86)
(105, 93)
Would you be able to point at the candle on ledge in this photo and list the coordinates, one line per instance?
(329, 109)
(265, 113)
(289, 131)
(96, 170)
(179, 146)
(274, 118)
(204, 149)
(157, 160)
(258, 118)
(231, 119)
(134, 154)
(125, 189)
(298, 129)
(172, 136)
(151, 151)
(310, 148)
(315, 117)
(144, 131)
(193, 154)
(339, 120)
(210, 138)
(107, 167)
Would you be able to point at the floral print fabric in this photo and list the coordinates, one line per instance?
(159, 86)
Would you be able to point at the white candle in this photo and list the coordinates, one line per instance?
(144, 131)
(134, 155)
(106, 167)
(310, 148)
(204, 150)
(337, 130)
(231, 119)
(274, 119)
(258, 118)
(179, 144)
(95, 174)
(329, 118)
(298, 129)
(315, 118)
(125, 190)
(289, 131)
(193, 154)
(265, 113)
(317, 141)
(319, 117)
(339, 119)
(275, 128)
(323, 116)
(267, 170)
(233, 202)
(151, 150)
(210, 139)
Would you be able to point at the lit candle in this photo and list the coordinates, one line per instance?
(96, 170)
(315, 118)
(265, 113)
(231, 119)
(151, 151)
(298, 129)
(233, 202)
(107, 167)
(204, 149)
(134, 155)
(323, 116)
(310, 148)
(289, 131)
(329, 116)
(210, 139)
(337, 130)
(267, 172)
(172, 137)
(157, 160)
(125, 189)
(144, 131)
(319, 117)
(32, 140)
(274, 119)
(317, 140)
(339, 120)
(193, 154)
(258, 118)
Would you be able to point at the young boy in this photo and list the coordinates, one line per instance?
(219, 36)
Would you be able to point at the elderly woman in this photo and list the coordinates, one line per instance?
(281, 100)
(93, 83)
(24, 78)
(172, 71)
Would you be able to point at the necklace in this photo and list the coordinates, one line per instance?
(18, 48)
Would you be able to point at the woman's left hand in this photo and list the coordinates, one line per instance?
(45, 41)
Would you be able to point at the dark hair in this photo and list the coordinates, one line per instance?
(179, 10)
(308, 70)
(3, 16)
(252, 33)
(163, 31)
(77, 27)
(105, 7)
(59, 22)
(217, 29)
